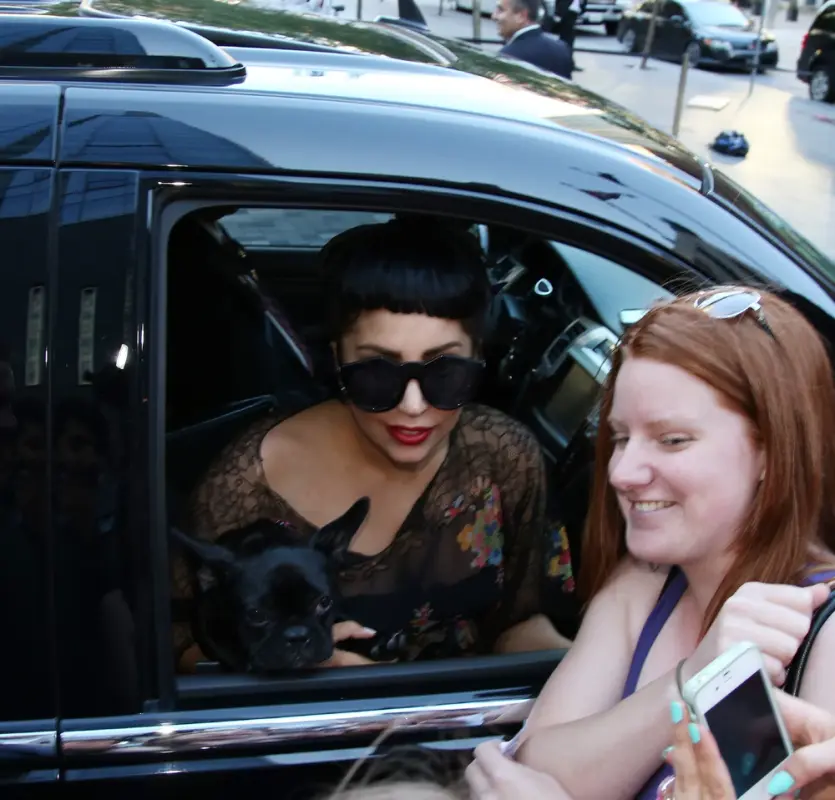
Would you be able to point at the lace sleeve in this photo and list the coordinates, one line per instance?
(228, 496)
(523, 503)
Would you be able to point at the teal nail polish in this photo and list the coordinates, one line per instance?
(780, 783)
(666, 752)
(676, 712)
(695, 733)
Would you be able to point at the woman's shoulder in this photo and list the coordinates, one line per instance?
(487, 426)
(635, 587)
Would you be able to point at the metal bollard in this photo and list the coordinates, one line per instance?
(650, 34)
(476, 20)
(682, 85)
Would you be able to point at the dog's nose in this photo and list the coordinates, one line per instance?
(297, 633)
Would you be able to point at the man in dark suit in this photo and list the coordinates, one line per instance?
(525, 40)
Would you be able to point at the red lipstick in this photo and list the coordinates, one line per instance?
(411, 437)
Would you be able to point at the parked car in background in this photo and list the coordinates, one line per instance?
(712, 33)
(816, 65)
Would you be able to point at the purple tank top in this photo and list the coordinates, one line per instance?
(672, 592)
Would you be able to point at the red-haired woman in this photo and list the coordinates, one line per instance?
(712, 521)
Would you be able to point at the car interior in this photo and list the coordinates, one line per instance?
(258, 344)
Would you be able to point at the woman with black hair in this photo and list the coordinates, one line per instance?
(451, 557)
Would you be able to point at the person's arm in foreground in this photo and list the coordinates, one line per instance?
(493, 776)
(580, 732)
(578, 717)
(702, 775)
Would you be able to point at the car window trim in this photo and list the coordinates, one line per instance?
(596, 235)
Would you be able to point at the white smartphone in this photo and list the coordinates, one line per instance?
(732, 697)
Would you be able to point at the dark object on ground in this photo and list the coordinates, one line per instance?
(731, 143)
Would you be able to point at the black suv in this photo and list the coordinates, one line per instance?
(163, 202)
(816, 65)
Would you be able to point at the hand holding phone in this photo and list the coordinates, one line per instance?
(733, 699)
(774, 617)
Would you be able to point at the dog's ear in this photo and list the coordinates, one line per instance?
(210, 554)
(333, 539)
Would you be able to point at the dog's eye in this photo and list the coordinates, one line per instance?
(257, 617)
(324, 605)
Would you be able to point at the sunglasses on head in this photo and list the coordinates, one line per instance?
(378, 384)
(732, 303)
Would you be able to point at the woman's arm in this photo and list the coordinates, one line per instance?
(818, 688)
(519, 624)
(580, 731)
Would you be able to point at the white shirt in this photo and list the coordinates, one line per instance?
(524, 30)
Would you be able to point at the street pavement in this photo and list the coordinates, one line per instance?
(791, 163)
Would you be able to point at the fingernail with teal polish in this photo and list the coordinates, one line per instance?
(695, 733)
(780, 783)
(666, 752)
(676, 712)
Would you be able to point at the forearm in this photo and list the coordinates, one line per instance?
(536, 633)
(608, 755)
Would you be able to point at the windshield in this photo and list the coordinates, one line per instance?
(717, 14)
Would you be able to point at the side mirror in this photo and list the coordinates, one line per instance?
(629, 316)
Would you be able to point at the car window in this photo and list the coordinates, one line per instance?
(281, 227)
(826, 21)
(263, 356)
(610, 287)
(673, 10)
(26, 670)
(721, 14)
(99, 477)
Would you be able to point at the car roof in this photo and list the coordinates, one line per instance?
(396, 65)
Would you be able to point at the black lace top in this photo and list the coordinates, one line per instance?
(468, 562)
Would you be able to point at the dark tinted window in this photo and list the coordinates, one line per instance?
(98, 481)
(673, 10)
(25, 624)
(722, 14)
(826, 21)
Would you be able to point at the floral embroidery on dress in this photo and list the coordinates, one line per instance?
(484, 536)
(422, 618)
(559, 558)
(456, 508)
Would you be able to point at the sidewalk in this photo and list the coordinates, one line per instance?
(791, 163)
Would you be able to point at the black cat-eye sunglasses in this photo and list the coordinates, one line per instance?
(378, 384)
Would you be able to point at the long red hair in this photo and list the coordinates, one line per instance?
(784, 387)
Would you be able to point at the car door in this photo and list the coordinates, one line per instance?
(669, 31)
(28, 742)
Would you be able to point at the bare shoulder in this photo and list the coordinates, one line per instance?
(818, 687)
(631, 593)
(300, 433)
(611, 626)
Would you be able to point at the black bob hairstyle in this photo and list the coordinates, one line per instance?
(409, 265)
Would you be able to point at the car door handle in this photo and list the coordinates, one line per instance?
(26, 745)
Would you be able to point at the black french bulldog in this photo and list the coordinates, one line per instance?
(267, 596)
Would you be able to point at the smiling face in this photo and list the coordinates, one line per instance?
(509, 19)
(412, 432)
(684, 467)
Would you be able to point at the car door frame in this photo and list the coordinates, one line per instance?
(425, 699)
(29, 747)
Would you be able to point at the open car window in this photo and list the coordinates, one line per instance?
(610, 287)
(294, 228)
